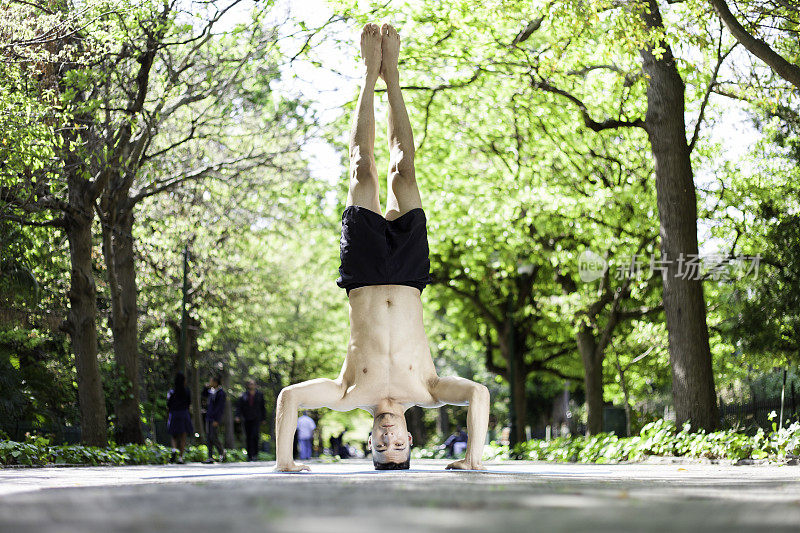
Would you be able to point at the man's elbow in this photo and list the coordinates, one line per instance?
(480, 394)
(286, 397)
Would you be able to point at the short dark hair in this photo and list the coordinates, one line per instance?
(405, 465)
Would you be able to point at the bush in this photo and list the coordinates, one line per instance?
(37, 451)
(659, 438)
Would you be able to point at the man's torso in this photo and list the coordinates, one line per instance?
(216, 403)
(305, 427)
(388, 354)
(250, 405)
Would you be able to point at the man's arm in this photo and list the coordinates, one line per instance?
(214, 408)
(307, 395)
(459, 391)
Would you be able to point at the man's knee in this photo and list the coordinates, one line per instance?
(362, 167)
(401, 163)
(402, 184)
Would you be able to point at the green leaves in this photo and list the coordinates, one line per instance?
(37, 451)
(659, 438)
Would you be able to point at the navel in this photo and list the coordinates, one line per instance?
(364, 370)
(409, 367)
(388, 302)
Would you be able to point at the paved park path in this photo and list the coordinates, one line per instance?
(351, 497)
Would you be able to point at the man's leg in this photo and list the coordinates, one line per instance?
(251, 431)
(220, 447)
(248, 433)
(211, 437)
(403, 194)
(363, 171)
(305, 449)
(256, 438)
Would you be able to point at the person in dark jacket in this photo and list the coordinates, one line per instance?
(251, 411)
(214, 414)
(338, 447)
(451, 444)
(179, 422)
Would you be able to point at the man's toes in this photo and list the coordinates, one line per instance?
(385, 29)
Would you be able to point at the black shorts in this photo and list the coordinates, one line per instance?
(376, 251)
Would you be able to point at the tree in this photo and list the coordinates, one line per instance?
(51, 36)
(154, 103)
(169, 130)
(693, 389)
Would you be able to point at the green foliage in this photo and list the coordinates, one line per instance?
(37, 451)
(659, 438)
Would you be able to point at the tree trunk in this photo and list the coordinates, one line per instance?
(118, 249)
(690, 357)
(516, 376)
(592, 378)
(228, 416)
(416, 425)
(197, 415)
(443, 422)
(82, 313)
(624, 385)
(520, 398)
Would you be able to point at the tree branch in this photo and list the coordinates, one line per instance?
(587, 119)
(525, 34)
(53, 223)
(756, 46)
(479, 304)
(720, 59)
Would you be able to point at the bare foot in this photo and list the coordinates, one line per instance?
(390, 48)
(371, 48)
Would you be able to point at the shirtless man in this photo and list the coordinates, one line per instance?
(388, 367)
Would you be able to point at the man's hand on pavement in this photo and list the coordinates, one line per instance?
(464, 464)
(292, 467)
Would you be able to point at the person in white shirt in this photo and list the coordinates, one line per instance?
(305, 435)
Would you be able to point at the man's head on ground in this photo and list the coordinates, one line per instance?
(390, 442)
(251, 385)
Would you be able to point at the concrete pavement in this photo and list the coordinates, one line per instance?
(351, 496)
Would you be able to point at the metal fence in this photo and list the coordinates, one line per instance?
(756, 413)
(57, 434)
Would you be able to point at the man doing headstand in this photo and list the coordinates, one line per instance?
(385, 266)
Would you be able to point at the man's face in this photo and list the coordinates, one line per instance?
(390, 440)
(251, 385)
